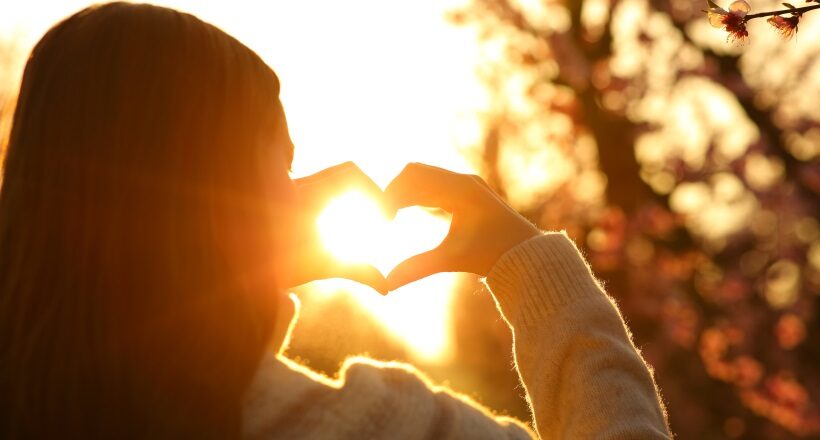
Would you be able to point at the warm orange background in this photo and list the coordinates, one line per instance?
(688, 169)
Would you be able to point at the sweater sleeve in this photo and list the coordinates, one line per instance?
(582, 374)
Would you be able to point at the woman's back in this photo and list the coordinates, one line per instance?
(128, 187)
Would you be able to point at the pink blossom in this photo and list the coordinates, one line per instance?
(732, 21)
(786, 26)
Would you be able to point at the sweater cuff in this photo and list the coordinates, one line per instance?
(538, 277)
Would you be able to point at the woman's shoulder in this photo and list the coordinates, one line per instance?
(369, 399)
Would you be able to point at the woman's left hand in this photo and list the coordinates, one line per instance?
(310, 259)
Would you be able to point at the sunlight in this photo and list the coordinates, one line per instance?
(351, 227)
(418, 313)
(374, 91)
(354, 229)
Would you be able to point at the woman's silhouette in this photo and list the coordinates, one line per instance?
(145, 165)
(148, 230)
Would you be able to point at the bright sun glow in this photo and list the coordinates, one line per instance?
(351, 227)
(354, 229)
(360, 82)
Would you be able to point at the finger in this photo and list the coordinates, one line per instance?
(325, 185)
(415, 268)
(346, 174)
(364, 274)
(423, 185)
(323, 174)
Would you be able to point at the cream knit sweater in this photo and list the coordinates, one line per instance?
(582, 374)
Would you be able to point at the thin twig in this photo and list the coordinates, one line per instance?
(784, 11)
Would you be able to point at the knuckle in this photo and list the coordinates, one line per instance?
(408, 171)
(350, 168)
(411, 167)
(338, 169)
(355, 168)
(468, 180)
(350, 174)
(480, 180)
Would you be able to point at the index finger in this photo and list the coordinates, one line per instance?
(424, 185)
(323, 186)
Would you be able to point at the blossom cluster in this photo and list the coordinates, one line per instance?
(734, 20)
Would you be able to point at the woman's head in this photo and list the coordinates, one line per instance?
(144, 193)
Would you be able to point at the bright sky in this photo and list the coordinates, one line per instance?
(381, 83)
(378, 82)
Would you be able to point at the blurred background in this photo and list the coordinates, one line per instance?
(686, 167)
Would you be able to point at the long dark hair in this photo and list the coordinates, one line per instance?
(137, 244)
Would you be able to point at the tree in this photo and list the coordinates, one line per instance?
(687, 168)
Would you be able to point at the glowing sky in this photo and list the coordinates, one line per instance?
(381, 83)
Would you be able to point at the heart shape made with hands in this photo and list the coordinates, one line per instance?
(355, 230)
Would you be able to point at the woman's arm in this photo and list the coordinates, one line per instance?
(583, 376)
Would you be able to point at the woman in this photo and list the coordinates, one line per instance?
(148, 230)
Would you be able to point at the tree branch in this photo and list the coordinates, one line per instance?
(795, 11)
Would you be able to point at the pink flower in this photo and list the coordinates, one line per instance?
(732, 21)
(786, 26)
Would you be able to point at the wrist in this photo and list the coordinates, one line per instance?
(511, 240)
(539, 277)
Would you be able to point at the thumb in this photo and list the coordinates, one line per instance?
(363, 273)
(415, 268)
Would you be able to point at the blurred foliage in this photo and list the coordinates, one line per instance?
(689, 170)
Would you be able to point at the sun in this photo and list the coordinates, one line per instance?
(348, 116)
(353, 228)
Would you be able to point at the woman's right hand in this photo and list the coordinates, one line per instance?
(483, 227)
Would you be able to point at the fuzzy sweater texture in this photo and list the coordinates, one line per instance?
(582, 374)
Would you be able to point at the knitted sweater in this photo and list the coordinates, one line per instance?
(582, 374)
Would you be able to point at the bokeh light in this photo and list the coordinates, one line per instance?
(685, 167)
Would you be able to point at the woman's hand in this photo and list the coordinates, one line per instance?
(311, 260)
(483, 228)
